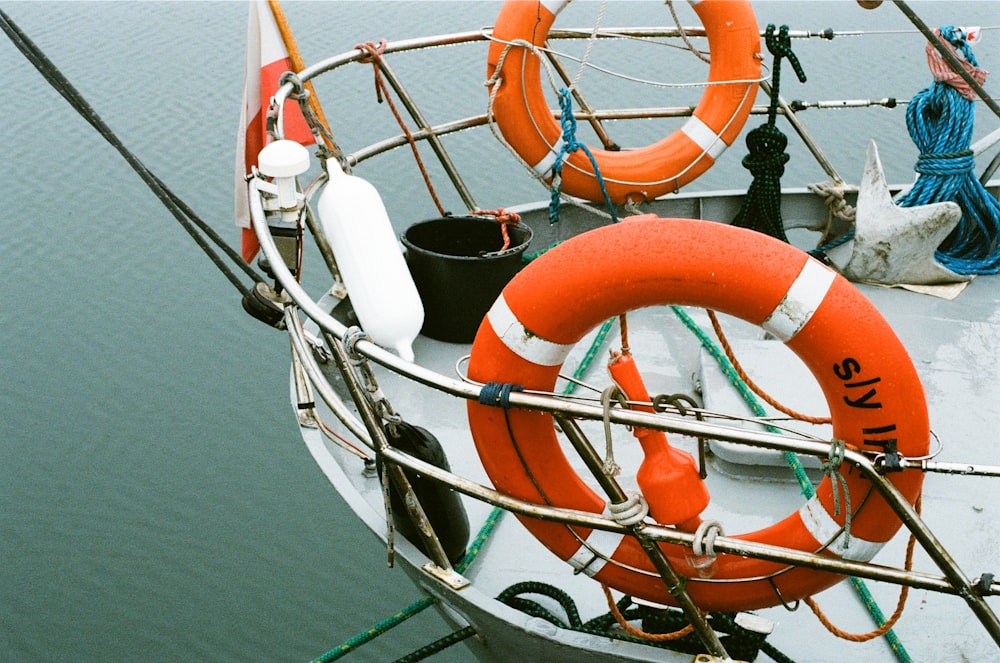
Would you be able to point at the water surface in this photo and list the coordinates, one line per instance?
(155, 500)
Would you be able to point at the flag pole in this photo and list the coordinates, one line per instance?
(298, 65)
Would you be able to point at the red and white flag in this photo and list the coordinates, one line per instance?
(266, 60)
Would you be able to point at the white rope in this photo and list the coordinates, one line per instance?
(833, 196)
(630, 512)
(610, 468)
(537, 50)
(590, 45)
(704, 538)
(680, 28)
(496, 80)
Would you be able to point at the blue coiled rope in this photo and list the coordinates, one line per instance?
(570, 145)
(940, 121)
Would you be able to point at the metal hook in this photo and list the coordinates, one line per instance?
(784, 603)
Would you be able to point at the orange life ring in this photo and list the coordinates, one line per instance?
(527, 124)
(875, 397)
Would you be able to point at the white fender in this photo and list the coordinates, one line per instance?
(370, 261)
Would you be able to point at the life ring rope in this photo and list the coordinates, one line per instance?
(519, 114)
(543, 50)
(711, 143)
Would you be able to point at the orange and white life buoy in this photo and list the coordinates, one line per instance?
(527, 124)
(875, 397)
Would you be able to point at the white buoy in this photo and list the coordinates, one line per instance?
(370, 261)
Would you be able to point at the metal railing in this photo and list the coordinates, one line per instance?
(369, 431)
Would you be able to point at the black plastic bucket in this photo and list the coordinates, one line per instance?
(459, 271)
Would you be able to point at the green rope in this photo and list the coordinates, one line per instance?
(438, 645)
(766, 144)
(511, 596)
(796, 465)
(420, 604)
(602, 625)
(528, 257)
(805, 485)
(739, 642)
(477, 544)
(591, 355)
(376, 630)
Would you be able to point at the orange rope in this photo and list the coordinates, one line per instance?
(623, 326)
(753, 385)
(504, 218)
(639, 633)
(298, 65)
(810, 601)
(904, 592)
(382, 90)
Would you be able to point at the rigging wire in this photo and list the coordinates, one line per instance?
(188, 219)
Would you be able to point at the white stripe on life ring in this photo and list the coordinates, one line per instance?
(595, 552)
(823, 528)
(523, 342)
(544, 166)
(704, 137)
(800, 302)
(555, 6)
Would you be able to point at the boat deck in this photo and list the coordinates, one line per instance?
(952, 344)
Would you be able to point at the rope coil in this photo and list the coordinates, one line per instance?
(704, 538)
(498, 394)
(630, 512)
(639, 633)
(766, 157)
(940, 120)
(570, 145)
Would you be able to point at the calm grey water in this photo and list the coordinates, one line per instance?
(155, 500)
